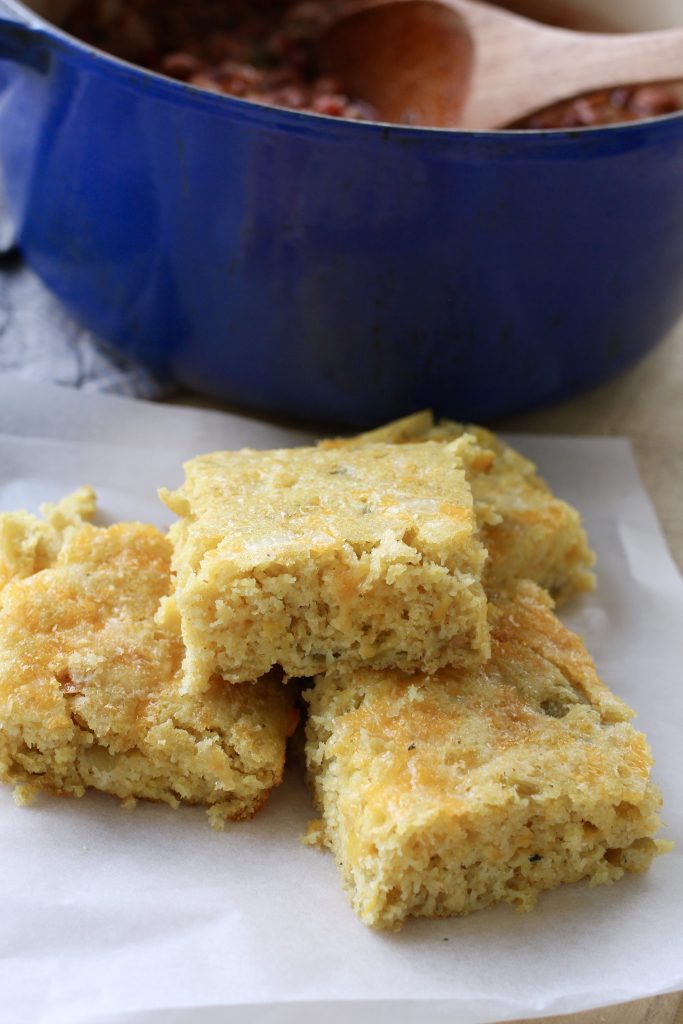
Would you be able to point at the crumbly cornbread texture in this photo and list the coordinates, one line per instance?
(528, 531)
(307, 559)
(444, 794)
(90, 687)
(29, 543)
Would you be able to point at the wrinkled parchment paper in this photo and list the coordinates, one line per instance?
(148, 917)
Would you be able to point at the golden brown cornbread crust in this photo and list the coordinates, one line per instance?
(307, 559)
(443, 794)
(90, 687)
(529, 532)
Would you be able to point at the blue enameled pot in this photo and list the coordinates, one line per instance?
(330, 269)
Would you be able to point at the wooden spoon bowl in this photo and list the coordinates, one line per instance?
(411, 61)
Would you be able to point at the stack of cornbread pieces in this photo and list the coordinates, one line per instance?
(461, 749)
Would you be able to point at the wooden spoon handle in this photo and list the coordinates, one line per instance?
(601, 61)
(535, 66)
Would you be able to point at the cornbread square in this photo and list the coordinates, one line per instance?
(528, 531)
(29, 543)
(90, 688)
(308, 559)
(444, 794)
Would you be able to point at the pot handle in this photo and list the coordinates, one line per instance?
(22, 44)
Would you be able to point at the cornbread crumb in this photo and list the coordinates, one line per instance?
(528, 531)
(310, 559)
(315, 834)
(90, 688)
(24, 795)
(447, 793)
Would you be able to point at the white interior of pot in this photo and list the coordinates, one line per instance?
(633, 15)
(603, 15)
(614, 15)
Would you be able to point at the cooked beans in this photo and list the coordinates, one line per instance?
(609, 106)
(260, 50)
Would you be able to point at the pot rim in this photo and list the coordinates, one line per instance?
(250, 108)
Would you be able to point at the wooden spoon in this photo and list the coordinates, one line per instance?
(467, 64)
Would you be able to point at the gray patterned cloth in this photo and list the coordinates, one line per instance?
(40, 341)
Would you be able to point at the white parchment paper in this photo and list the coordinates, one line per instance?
(149, 917)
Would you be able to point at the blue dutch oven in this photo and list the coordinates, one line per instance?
(331, 269)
